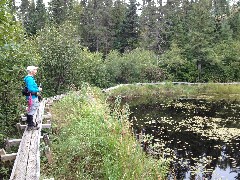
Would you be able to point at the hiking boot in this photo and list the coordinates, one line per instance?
(30, 120)
(29, 128)
(35, 128)
(35, 124)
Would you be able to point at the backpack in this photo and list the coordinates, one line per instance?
(25, 91)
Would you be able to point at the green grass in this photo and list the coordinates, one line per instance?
(138, 94)
(91, 141)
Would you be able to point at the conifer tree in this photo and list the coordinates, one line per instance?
(234, 21)
(58, 11)
(128, 36)
(40, 14)
(23, 14)
(30, 22)
(148, 22)
(118, 16)
(24, 7)
(96, 25)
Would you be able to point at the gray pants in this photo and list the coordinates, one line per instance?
(33, 108)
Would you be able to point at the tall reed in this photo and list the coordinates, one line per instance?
(91, 141)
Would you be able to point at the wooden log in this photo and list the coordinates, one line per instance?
(47, 108)
(23, 117)
(49, 104)
(21, 127)
(12, 142)
(33, 164)
(8, 157)
(48, 154)
(2, 152)
(19, 168)
(46, 139)
(47, 116)
(162, 83)
(46, 126)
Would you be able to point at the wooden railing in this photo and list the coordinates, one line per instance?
(27, 159)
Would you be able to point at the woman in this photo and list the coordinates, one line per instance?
(32, 98)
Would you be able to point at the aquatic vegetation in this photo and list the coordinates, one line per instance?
(199, 136)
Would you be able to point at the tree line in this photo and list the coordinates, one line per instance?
(106, 42)
(193, 40)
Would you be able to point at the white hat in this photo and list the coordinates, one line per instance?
(31, 68)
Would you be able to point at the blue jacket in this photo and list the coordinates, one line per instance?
(31, 85)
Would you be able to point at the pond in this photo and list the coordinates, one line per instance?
(199, 136)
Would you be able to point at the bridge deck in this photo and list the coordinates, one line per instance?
(27, 162)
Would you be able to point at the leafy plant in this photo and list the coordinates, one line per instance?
(93, 142)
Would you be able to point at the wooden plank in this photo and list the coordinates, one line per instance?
(21, 127)
(46, 139)
(47, 116)
(19, 168)
(12, 142)
(162, 83)
(33, 166)
(38, 152)
(8, 157)
(23, 117)
(27, 162)
(20, 165)
(48, 154)
(33, 157)
(46, 126)
(2, 152)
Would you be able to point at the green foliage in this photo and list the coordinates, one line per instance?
(152, 35)
(40, 14)
(59, 51)
(33, 16)
(14, 54)
(65, 63)
(91, 68)
(58, 11)
(137, 66)
(127, 37)
(94, 143)
(227, 57)
(183, 33)
(176, 66)
(234, 21)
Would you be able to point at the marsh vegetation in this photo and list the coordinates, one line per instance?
(196, 128)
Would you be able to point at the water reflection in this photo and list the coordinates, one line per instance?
(202, 138)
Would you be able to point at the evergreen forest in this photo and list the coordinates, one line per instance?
(109, 42)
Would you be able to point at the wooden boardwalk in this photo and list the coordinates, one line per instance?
(163, 83)
(27, 163)
(27, 159)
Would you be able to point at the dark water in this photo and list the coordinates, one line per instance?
(200, 137)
